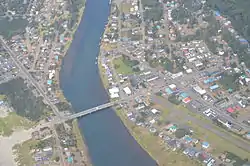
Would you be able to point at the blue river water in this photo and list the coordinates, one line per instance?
(108, 141)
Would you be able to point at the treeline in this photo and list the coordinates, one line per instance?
(22, 99)
(238, 13)
(153, 10)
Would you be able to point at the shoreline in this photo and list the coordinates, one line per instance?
(83, 148)
(75, 128)
(138, 134)
(123, 119)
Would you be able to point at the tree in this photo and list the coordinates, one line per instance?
(181, 133)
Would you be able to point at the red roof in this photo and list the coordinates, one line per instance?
(187, 100)
(230, 109)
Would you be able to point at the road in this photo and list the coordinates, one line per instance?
(227, 136)
(206, 104)
(29, 77)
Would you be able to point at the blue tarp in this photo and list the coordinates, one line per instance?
(217, 13)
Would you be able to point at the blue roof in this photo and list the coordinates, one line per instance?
(184, 95)
(169, 91)
(70, 159)
(49, 82)
(214, 87)
(188, 139)
(209, 80)
(205, 143)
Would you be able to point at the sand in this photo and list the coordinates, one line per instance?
(6, 143)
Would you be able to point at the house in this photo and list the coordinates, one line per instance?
(155, 111)
(205, 145)
(187, 139)
(171, 127)
(127, 91)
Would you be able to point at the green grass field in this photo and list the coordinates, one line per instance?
(12, 121)
(154, 146)
(22, 151)
(218, 144)
(121, 67)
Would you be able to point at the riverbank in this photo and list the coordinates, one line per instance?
(66, 47)
(81, 146)
(152, 144)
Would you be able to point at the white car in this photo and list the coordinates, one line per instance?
(207, 112)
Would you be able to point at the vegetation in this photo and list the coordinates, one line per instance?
(238, 12)
(23, 152)
(181, 15)
(12, 121)
(154, 146)
(11, 28)
(229, 82)
(154, 11)
(174, 99)
(77, 134)
(219, 145)
(124, 65)
(22, 99)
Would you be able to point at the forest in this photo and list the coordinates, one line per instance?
(237, 11)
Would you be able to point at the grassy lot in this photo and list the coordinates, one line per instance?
(77, 133)
(154, 146)
(218, 144)
(22, 151)
(125, 7)
(164, 112)
(122, 68)
(11, 122)
(2, 97)
(80, 142)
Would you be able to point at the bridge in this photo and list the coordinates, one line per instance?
(89, 111)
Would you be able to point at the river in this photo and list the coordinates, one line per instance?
(108, 140)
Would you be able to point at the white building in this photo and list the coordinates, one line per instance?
(127, 90)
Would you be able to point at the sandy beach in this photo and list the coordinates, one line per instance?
(6, 143)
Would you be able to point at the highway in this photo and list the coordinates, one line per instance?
(29, 77)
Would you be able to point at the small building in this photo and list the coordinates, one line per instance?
(199, 90)
(214, 87)
(186, 100)
(172, 86)
(155, 111)
(230, 110)
(188, 71)
(127, 90)
(205, 145)
(114, 90)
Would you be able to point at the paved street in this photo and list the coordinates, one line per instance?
(227, 136)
